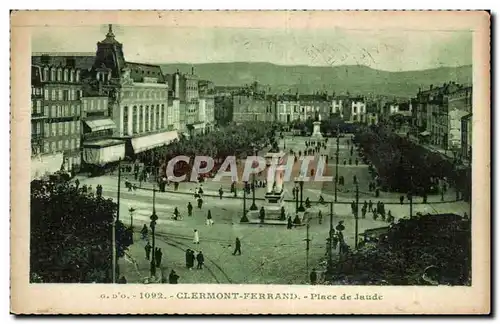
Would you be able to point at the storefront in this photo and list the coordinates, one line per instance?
(102, 152)
(148, 142)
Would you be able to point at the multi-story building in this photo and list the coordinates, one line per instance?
(439, 111)
(138, 98)
(338, 103)
(312, 105)
(466, 143)
(185, 88)
(56, 93)
(357, 111)
(287, 108)
(249, 107)
(206, 91)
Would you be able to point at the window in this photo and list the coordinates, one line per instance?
(66, 128)
(61, 95)
(45, 74)
(46, 131)
(65, 75)
(46, 94)
(39, 128)
(71, 75)
(53, 147)
(53, 111)
(72, 127)
(46, 147)
(78, 76)
(52, 74)
(77, 127)
(54, 95)
(91, 104)
(60, 145)
(66, 144)
(59, 75)
(125, 120)
(85, 103)
(77, 110)
(77, 143)
(38, 107)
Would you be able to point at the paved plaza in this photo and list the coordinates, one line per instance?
(272, 253)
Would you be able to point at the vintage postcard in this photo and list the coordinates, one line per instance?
(250, 162)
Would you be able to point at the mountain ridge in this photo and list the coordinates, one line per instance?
(356, 79)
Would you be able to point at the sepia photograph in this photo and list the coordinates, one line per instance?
(275, 154)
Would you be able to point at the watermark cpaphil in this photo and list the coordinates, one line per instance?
(278, 168)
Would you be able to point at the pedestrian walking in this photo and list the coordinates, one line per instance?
(148, 248)
(262, 214)
(176, 213)
(200, 203)
(191, 258)
(187, 257)
(158, 255)
(401, 199)
(173, 277)
(289, 224)
(221, 192)
(363, 211)
(313, 277)
(237, 247)
(320, 217)
(201, 259)
(190, 209)
(209, 221)
(196, 237)
(144, 232)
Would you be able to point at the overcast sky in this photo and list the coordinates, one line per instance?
(386, 50)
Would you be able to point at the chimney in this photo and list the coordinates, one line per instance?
(192, 70)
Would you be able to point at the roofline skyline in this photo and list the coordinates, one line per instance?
(88, 54)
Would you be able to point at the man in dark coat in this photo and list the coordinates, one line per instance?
(237, 248)
(187, 258)
(158, 255)
(401, 199)
(313, 277)
(173, 277)
(191, 259)
(262, 214)
(289, 224)
(148, 248)
(190, 209)
(200, 203)
(201, 259)
(221, 192)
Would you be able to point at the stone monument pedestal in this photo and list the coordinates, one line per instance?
(316, 136)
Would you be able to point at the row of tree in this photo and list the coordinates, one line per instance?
(403, 165)
(430, 249)
(71, 234)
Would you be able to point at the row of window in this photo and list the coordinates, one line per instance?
(64, 128)
(36, 91)
(94, 104)
(36, 107)
(62, 95)
(61, 145)
(145, 94)
(60, 75)
(57, 111)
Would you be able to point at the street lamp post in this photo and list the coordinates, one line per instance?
(330, 246)
(301, 207)
(245, 199)
(131, 211)
(356, 211)
(254, 206)
(337, 163)
(296, 197)
(113, 246)
(308, 240)
(153, 218)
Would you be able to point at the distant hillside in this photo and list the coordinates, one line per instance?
(356, 79)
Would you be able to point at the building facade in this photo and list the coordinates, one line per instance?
(287, 108)
(312, 105)
(357, 111)
(466, 143)
(248, 107)
(138, 98)
(55, 122)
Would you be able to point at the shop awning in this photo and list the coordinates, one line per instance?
(45, 165)
(100, 124)
(103, 151)
(144, 143)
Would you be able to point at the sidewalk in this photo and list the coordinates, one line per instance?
(344, 196)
